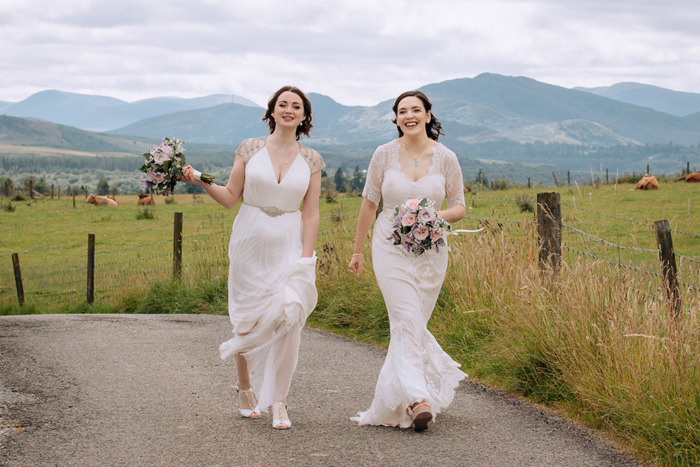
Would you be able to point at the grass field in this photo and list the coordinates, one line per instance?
(583, 341)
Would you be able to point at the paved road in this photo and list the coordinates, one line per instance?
(112, 390)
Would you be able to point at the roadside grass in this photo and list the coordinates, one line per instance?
(585, 340)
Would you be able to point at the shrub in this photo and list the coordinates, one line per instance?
(525, 203)
(145, 213)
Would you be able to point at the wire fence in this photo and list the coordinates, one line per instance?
(128, 263)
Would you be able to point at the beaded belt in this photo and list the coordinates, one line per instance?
(272, 211)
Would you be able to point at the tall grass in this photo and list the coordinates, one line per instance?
(582, 339)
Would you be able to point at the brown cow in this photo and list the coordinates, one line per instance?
(146, 200)
(648, 182)
(101, 201)
(693, 177)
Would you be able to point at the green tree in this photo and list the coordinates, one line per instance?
(481, 178)
(340, 181)
(102, 187)
(357, 182)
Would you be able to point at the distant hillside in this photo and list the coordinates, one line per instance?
(503, 103)
(225, 123)
(99, 113)
(326, 110)
(26, 132)
(664, 100)
(4, 104)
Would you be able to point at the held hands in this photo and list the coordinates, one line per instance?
(356, 263)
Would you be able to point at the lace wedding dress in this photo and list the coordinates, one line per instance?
(271, 288)
(416, 368)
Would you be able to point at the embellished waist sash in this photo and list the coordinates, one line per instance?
(272, 211)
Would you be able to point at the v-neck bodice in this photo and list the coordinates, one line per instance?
(261, 187)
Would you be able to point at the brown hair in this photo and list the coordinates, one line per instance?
(433, 128)
(305, 127)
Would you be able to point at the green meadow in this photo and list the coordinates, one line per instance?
(594, 341)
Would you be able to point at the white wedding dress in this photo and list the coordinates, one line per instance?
(271, 288)
(416, 368)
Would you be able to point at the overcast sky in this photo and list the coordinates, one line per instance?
(359, 52)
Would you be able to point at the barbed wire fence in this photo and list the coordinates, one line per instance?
(128, 263)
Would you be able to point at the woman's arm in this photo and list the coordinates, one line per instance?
(364, 223)
(229, 195)
(310, 216)
(452, 214)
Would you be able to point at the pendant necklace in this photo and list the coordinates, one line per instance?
(415, 159)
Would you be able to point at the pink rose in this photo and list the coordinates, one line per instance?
(435, 235)
(426, 215)
(412, 203)
(421, 233)
(159, 157)
(408, 220)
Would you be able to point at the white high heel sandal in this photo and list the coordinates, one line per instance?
(250, 397)
(280, 423)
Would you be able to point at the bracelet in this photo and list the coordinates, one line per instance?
(356, 254)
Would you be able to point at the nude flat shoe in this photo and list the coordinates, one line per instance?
(420, 415)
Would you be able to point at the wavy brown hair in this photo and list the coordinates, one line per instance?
(305, 127)
(433, 128)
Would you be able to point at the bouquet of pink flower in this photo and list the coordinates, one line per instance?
(417, 227)
(164, 164)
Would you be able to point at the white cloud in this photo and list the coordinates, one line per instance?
(358, 52)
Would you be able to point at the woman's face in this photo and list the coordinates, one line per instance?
(289, 110)
(411, 116)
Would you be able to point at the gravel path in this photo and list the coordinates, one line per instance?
(111, 390)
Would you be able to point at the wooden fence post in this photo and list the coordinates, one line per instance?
(31, 189)
(18, 279)
(568, 178)
(59, 191)
(687, 167)
(528, 183)
(91, 269)
(556, 182)
(177, 245)
(606, 176)
(647, 169)
(74, 197)
(667, 258)
(52, 191)
(549, 229)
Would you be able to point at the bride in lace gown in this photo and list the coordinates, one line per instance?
(418, 379)
(271, 283)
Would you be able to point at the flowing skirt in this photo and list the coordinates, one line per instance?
(272, 290)
(416, 368)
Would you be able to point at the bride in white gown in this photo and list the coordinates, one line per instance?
(418, 379)
(271, 284)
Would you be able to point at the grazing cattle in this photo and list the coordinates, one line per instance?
(101, 201)
(146, 200)
(648, 182)
(693, 177)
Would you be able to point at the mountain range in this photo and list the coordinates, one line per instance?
(101, 113)
(488, 108)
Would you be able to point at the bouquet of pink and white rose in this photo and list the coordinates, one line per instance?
(163, 167)
(417, 228)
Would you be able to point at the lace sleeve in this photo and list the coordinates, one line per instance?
(375, 176)
(312, 158)
(454, 183)
(249, 148)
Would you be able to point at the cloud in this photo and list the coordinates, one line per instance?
(358, 52)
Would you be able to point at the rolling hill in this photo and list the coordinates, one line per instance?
(100, 113)
(671, 102)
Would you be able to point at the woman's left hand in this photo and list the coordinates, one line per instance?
(356, 263)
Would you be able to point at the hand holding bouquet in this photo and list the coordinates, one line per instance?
(417, 227)
(163, 167)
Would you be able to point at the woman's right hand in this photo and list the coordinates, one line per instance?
(188, 175)
(356, 263)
